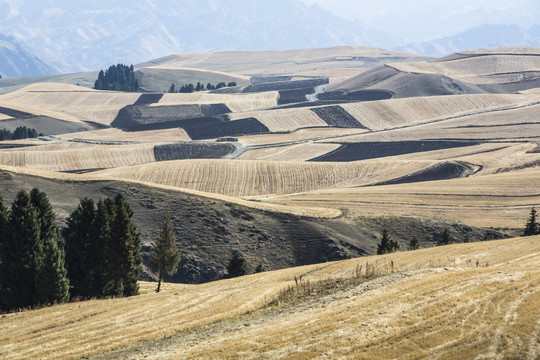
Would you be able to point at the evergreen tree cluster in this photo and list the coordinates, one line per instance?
(118, 78)
(532, 227)
(32, 268)
(189, 88)
(21, 132)
(102, 249)
(97, 255)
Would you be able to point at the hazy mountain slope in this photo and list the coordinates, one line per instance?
(79, 36)
(487, 35)
(15, 60)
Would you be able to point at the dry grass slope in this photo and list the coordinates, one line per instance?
(477, 300)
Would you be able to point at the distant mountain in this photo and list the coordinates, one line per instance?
(479, 37)
(15, 60)
(90, 35)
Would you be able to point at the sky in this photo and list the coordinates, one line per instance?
(420, 20)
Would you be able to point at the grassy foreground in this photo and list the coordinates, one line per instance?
(459, 301)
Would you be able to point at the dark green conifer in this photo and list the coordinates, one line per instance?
(446, 238)
(21, 253)
(52, 285)
(237, 266)
(164, 254)
(414, 244)
(532, 227)
(387, 244)
(124, 251)
(76, 238)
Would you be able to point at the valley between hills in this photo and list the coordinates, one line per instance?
(299, 167)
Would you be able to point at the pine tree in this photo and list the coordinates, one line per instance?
(21, 254)
(445, 238)
(52, 285)
(124, 251)
(97, 249)
(164, 255)
(387, 245)
(237, 266)
(532, 227)
(414, 244)
(172, 89)
(259, 268)
(76, 238)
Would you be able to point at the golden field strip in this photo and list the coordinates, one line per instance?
(454, 302)
(497, 200)
(252, 177)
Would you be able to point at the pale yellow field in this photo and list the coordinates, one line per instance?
(299, 135)
(335, 75)
(279, 62)
(284, 119)
(506, 63)
(250, 177)
(113, 134)
(477, 300)
(69, 102)
(378, 115)
(297, 152)
(519, 123)
(69, 156)
(235, 102)
(496, 200)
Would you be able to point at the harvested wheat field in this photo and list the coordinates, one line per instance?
(496, 200)
(282, 61)
(70, 102)
(75, 156)
(385, 114)
(284, 119)
(476, 300)
(247, 178)
(235, 102)
(481, 66)
(117, 135)
(296, 152)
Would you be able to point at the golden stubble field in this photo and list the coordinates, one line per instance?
(476, 300)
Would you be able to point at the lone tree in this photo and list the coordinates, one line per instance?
(532, 227)
(164, 255)
(387, 244)
(414, 244)
(445, 237)
(237, 266)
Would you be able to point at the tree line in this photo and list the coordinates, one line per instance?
(21, 132)
(118, 77)
(189, 88)
(96, 255)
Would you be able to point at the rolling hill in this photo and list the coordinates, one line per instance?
(307, 160)
(457, 301)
